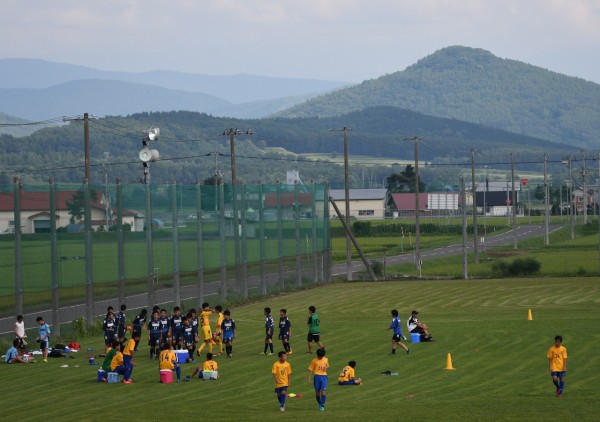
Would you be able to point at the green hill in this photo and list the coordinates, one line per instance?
(475, 86)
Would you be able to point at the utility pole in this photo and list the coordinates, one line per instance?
(567, 161)
(583, 176)
(473, 190)
(546, 201)
(418, 262)
(514, 199)
(464, 230)
(347, 203)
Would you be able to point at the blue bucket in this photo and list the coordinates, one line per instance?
(101, 374)
(415, 337)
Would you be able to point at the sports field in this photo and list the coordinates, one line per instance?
(500, 360)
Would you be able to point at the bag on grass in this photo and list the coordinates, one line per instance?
(56, 353)
(59, 346)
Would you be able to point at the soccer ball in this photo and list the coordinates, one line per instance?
(25, 358)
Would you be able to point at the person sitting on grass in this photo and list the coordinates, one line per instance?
(347, 376)
(415, 326)
(167, 360)
(13, 355)
(209, 366)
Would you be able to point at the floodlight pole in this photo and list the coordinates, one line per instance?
(514, 198)
(416, 140)
(464, 229)
(474, 189)
(546, 201)
(347, 205)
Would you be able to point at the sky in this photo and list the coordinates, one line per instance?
(341, 40)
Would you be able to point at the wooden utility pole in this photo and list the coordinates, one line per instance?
(514, 199)
(546, 201)
(473, 191)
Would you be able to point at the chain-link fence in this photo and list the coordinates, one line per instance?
(67, 244)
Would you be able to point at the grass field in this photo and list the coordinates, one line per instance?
(499, 356)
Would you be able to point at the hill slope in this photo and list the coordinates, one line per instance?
(476, 86)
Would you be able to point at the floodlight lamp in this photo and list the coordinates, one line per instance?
(145, 155)
(153, 133)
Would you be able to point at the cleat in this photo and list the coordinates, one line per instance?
(271, 354)
(45, 360)
(104, 380)
(321, 408)
(559, 393)
(282, 409)
(391, 354)
(408, 351)
(127, 381)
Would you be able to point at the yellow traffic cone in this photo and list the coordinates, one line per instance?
(529, 316)
(449, 363)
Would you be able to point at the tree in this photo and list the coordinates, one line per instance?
(403, 182)
(76, 206)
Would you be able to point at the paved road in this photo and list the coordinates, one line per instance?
(68, 313)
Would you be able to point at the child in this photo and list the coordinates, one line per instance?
(319, 367)
(13, 355)
(205, 327)
(115, 347)
(117, 363)
(168, 360)
(557, 356)
(164, 330)
(109, 326)
(121, 324)
(43, 337)
(138, 324)
(228, 330)
(269, 325)
(218, 334)
(128, 362)
(154, 335)
(285, 331)
(347, 376)
(208, 365)
(282, 374)
(397, 337)
(176, 328)
(193, 318)
(188, 338)
(314, 329)
(20, 332)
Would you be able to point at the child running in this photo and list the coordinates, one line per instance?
(314, 329)
(557, 356)
(396, 326)
(319, 367)
(282, 374)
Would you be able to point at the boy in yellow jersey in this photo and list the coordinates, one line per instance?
(116, 364)
(347, 376)
(168, 360)
(209, 365)
(128, 362)
(319, 367)
(206, 334)
(557, 356)
(282, 374)
(218, 334)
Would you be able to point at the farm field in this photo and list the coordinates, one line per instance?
(500, 359)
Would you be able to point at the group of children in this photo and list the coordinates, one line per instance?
(17, 353)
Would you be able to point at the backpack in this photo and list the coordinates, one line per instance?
(56, 353)
(73, 345)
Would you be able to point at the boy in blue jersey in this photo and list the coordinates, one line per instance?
(164, 329)
(176, 328)
(43, 337)
(269, 327)
(193, 319)
(121, 321)
(397, 338)
(110, 329)
(228, 330)
(13, 356)
(285, 330)
(188, 338)
(138, 325)
(154, 335)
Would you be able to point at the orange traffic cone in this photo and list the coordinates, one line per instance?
(449, 366)
(529, 316)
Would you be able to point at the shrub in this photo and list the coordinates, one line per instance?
(362, 228)
(518, 267)
(377, 268)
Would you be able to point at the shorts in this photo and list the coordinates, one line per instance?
(313, 337)
(397, 338)
(136, 330)
(121, 332)
(154, 340)
(177, 337)
(351, 382)
(109, 337)
(206, 333)
(417, 330)
(320, 382)
(164, 337)
(43, 345)
(284, 336)
(279, 390)
(228, 337)
(268, 336)
(561, 374)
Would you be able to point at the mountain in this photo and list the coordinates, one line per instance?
(24, 129)
(241, 88)
(474, 85)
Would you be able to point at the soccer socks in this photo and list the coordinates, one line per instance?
(393, 351)
(323, 399)
(266, 348)
(286, 347)
(178, 372)
(282, 400)
(561, 386)
(271, 347)
(556, 383)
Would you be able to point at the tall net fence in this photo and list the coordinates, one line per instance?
(79, 244)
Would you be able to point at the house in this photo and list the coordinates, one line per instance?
(578, 197)
(496, 197)
(365, 204)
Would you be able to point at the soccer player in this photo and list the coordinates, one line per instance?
(13, 356)
(415, 326)
(110, 329)
(176, 328)
(282, 374)
(314, 329)
(209, 365)
(218, 334)
(319, 367)
(193, 318)
(557, 356)
(168, 360)
(396, 326)
(121, 324)
(154, 335)
(115, 347)
(205, 327)
(228, 330)
(285, 331)
(43, 337)
(138, 324)
(117, 364)
(164, 329)
(347, 376)
(269, 326)
(128, 362)
(188, 338)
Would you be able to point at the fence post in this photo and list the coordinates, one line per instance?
(280, 238)
(261, 234)
(223, 288)
(313, 212)
(120, 243)
(54, 261)
(18, 247)
(89, 274)
(244, 246)
(200, 246)
(175, 220)
(297, 234)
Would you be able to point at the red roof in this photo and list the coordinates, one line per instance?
(40, 201)
(287, 199)
(406, 201)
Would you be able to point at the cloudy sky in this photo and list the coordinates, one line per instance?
(346, 40)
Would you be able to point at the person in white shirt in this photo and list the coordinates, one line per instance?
(414, 326)
(20, 332)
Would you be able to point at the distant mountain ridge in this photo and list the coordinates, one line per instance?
(475, 86)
